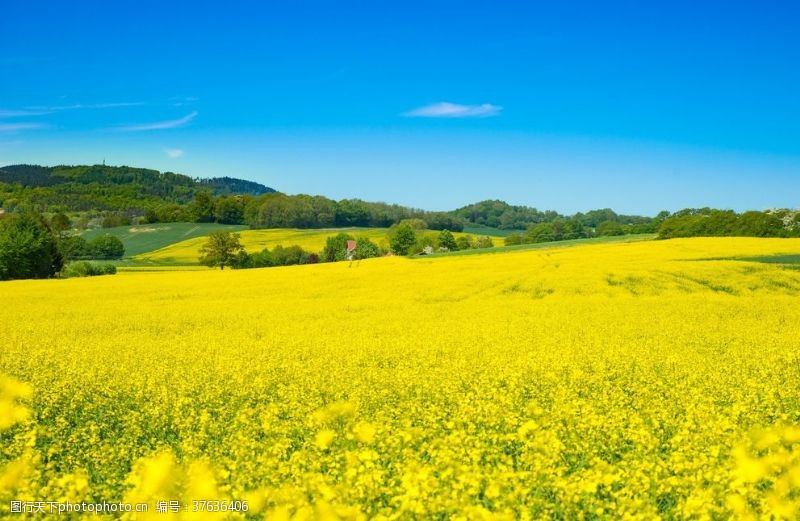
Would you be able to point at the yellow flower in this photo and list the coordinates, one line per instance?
(364, 432)
(324, 438)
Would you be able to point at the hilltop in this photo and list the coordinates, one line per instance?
(108, 188)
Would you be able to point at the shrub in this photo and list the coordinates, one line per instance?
(514, 239)
(114, 220)
(87, 269)
(279, 256)
(464, 242)
(484, 242)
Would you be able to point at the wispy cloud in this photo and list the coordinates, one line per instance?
(179, 101)
(21, 113)
(16, 127)
(174, 153)
(75, 106)
(160, 125)
(445, 109)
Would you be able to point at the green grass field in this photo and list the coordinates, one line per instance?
(554, 244)
(775, 259)
(148, 237)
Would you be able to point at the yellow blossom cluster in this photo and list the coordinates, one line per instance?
(641, 380)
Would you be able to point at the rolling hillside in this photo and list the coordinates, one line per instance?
(149, 237)
(187, 251)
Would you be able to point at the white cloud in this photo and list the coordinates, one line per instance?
(21, 113)
(174, 153)
(52, 108)
(16, 127)
(179, 101)
(445, 109)
(160, 125)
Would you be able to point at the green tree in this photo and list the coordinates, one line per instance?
(106, 247)
(115, 219)
(443, 221)
(202, 208)
(759, 224)
(221, 249)
(352, 212)
(446, 240)
(150, 216)
(60, 223)
(366, 249)
(403, 239)
(424, 241)
(28, 248)
(464, 242)
(229, 210)
(336, 247)
(542, 232)
(608, 229)
(74, 247)
(415, 224)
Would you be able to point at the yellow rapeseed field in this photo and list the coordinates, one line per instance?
(643, 380)
(188, 251)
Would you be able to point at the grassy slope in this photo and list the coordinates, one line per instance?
(149, 237)
(554, 244)
(775, 259)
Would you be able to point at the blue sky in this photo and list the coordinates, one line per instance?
(638, 106)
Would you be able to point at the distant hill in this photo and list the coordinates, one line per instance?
(101, 187)
(231, 185)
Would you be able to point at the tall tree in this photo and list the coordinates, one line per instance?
(203, 207)
(60, 223)
(403, 239)
(28, 248)
(446, 240)
(336, 247)
(106, 247)
(221, 249)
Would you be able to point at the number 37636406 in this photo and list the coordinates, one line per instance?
(219, 506)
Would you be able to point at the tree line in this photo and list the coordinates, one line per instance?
(125, 190)
(565, 229)
(119, 196)
(709, 222)
(501, 215)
